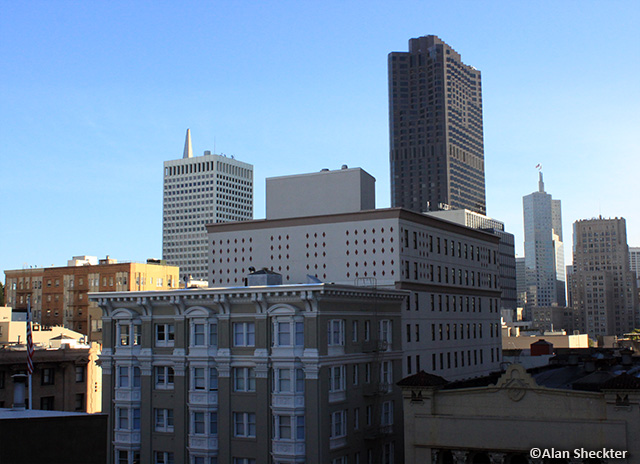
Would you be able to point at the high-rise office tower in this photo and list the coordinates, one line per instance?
(604, 287)
(543, 249)
(198, 191)
(435, 122)
(634, 262)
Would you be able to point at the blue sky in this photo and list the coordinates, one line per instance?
(94, 96)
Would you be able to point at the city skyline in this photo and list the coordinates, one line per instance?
(96, 97)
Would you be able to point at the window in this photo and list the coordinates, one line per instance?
(356, 419)
(283, 427)
(213, 334)
(163, 457)
(124, 330)
(47, 403)
(299, 326)
(338, 424)
(165, 334)
(283, 333)
(79, 402)
(244, 461)
(164, 377)
(244, 379)
(48, 376)
(197, 378)
(299, 381)
(80, 374)
(213, 423)
(283, 377)
(356, 373)
(385, 331)
(244, 424)
(367, 372)
(127, 457)
(387, 413)
(386, 373)
(137, 335)
(163, 420)
(337, 378)
(354, 331)
(387, 450)
(367, 330)
(213, 379)
(122, 418)
(244, 334)
(335, 334)
(198, 335)
(197, 423)
(123, 376)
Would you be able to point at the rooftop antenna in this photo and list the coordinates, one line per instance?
(540, 181)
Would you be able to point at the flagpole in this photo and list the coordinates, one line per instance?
(29, 352)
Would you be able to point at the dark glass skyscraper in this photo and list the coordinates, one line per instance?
(435, 119)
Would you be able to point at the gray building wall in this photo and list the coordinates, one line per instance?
(325, 192)
(316, 307)
(543, 249)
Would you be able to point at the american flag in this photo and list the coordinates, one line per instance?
(29, 339)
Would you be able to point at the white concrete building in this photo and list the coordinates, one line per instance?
(452, 324)
(507, 251)
(198, 191)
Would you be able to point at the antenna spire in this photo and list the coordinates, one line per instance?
(188, 151)
(540, 181)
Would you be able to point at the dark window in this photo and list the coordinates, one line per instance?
(46, 403)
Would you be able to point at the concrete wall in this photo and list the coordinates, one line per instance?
(324, 192)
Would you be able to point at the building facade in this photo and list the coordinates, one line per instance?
(258, 374)
(604, 288)
(436, 129)
(543, 249)
(506, 249)
(503, 419)
(198, 191)
(452, 322)
(59, 295)
(339, 191)
(64, 379)
(634, 262)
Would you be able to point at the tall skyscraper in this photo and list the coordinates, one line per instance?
(198, 191)
(543, 249)
(435, 122)
(634, 262)
(604, 287)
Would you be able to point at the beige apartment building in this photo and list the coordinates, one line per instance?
(276, 374)
(59, 295)
(604, 289)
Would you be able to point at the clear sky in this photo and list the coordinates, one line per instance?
(95, 95)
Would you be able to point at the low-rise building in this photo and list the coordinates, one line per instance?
(59, 294)
(566, 414)
(264, 373)
(66, 378)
